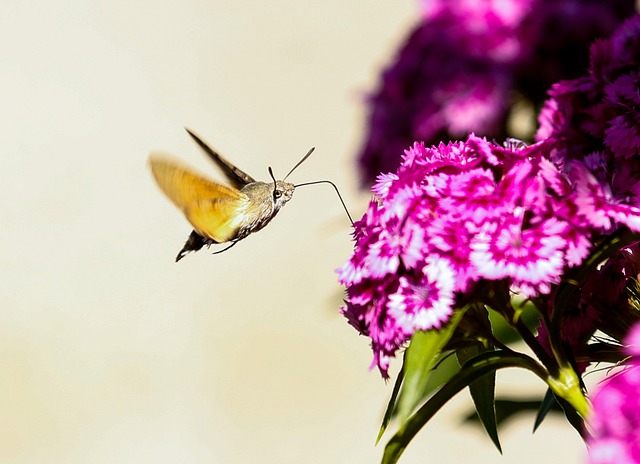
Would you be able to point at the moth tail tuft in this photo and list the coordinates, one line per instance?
(194, 243)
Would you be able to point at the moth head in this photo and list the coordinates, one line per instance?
(282, 191)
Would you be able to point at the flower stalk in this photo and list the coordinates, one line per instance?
(566, 384)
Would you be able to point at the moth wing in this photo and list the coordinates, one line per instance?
(236, 176)
(211, 208)
(217, 218)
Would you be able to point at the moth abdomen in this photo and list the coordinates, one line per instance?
(195, 242)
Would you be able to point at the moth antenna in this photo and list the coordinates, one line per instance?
(332, 184)
(304, 158)
(274, 181)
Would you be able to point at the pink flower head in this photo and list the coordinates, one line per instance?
(632, 342)
(615, 415)
(458, 70)
(595, 119)
(457, 214)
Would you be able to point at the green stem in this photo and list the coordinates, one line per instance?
(558, 373)
(566, 384)
(531, 341)
(500, 301)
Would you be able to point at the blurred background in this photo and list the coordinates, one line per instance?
(110, 352)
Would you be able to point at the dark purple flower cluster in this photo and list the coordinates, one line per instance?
(602, 303)
(560, 48)
(461, 67)
(615, 417)
(596, 118)
(461, 213)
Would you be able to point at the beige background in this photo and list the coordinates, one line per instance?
(112, 353)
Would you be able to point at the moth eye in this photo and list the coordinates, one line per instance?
(277, 193)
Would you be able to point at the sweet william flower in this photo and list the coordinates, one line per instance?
(425, 301)
(468, 92)
(460, 68)
(596, 118)
(602, 303)
(457, 214)
(469, 225)
(559, 47)
(615, 417)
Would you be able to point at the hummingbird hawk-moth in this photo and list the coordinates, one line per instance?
(222, 213)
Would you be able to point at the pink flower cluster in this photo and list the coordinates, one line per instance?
(460, 68)
(615, 416)
(458, 214)
(596, 119)
(601, 304)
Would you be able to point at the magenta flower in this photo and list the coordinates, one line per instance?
(591, 125)
(615, 415)
(458, 214)
(595, 119)
(602, 303)
(607, 292)
(565, 30)
(459, 69)
(460, 228)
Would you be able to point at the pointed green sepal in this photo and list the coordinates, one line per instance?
(391, 406)
(472, 370)
(483, 393)
(420, 359)
(547, 403)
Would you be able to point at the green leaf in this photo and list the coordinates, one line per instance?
(547, 404)
(445, 367)
(483, 393)
(391, 406)
(472, 370)
(503, 331)
(508, 408)
(572, 416)
(419, 361)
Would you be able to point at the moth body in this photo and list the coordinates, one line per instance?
(265, 200)
(219, 213)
